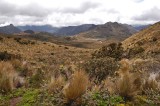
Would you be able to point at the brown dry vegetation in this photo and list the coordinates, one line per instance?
(50, 73)
(8, 77)
(76, 87)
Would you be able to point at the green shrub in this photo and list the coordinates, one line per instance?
(114, 50)
(101, 68)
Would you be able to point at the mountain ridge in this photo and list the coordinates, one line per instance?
(9, 29)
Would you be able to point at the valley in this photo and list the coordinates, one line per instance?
(110, 64)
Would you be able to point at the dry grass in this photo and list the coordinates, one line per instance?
(76, 87)
(128, 84)
(56, 84)
(7, 77)
(150, 85)
(151, 82)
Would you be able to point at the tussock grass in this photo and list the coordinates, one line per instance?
(128, 84)
(76, 87)
(56, 84)
(7, 77)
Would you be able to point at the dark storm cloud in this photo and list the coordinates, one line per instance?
(81, 9)
(32, 9)
(150, 15)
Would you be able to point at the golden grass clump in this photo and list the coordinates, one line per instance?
(7, 77)
(76, 87)
(128, 84)
(56, 84)
(151, 83)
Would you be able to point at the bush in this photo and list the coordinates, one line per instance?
(1, 38)
(114, 50)
(101, 68)
(76, 88)
(7, 56)
(24, 41)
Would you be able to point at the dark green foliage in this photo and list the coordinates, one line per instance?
(101, 68)
(4, 56)
(114, 50)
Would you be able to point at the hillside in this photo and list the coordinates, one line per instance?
(147, 39)
(110, 30)
(73, 30)
(41, 52)
(10, 29)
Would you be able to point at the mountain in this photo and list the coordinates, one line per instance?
(147, 40)
(29, 31)
(43, 28)
(73, 30)
(140, 27)
(110, 30)
(10, 29)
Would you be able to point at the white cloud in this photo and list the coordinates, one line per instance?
(75, 12)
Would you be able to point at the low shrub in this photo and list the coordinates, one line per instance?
(4, 56)
(114, 50)
(101, 68)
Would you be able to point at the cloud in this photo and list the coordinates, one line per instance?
(32, 9)
(138, 1)
(81, 9)
(149, 15)
(112, 11)
(76, 12)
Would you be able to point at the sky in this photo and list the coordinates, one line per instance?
(76, 12)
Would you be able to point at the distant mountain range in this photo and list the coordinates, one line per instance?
(141, 27)
(110, 30)
(73, 30)
(9, 29)
(91, 30)
(42, 28)
(106, 30)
